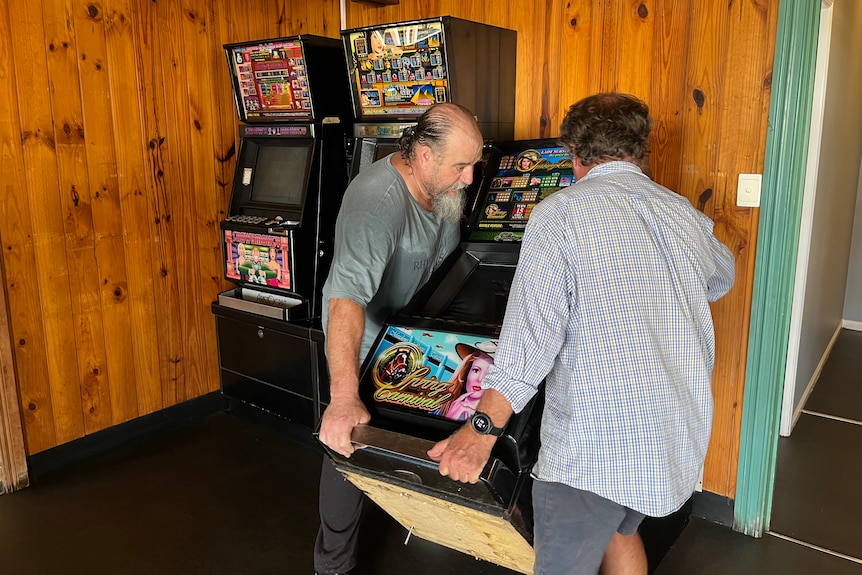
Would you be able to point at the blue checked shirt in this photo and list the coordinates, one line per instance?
(610, 304)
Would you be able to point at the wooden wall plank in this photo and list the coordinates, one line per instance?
(206, 225)
(745, 98)
(105, 202)
(19, 257)
(565, 73)
(634, 57)
(75, 202)
(135, 203)
(149, 30)
(18, 301)
(13, 453)
(705, 62)
(667, 94)
(51, 270)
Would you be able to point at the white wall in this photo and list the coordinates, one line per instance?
(837, 188)
(853, 297)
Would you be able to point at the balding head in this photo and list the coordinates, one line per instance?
(436, 128)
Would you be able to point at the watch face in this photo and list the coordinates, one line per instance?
(481, 423)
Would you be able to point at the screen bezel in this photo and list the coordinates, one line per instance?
(249, 158)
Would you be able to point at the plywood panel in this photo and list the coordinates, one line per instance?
(484, 536)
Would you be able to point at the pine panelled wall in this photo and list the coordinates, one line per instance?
(118, 135)
(117, 142)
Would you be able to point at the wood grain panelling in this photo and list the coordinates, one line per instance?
(56, 411)
(118, 136)
(118, 139)
(704, 69)
(16, 232)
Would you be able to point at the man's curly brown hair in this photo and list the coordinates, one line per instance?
(605, 127)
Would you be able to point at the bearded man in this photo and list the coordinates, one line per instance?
(400, 218)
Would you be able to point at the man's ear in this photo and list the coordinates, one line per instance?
(425, 153)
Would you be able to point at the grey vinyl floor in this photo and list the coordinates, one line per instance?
(816, 524)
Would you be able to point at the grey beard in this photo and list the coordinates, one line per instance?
(450, 206)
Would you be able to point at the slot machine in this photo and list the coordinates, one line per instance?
(399, 70)
(415, 385)
(295, 113)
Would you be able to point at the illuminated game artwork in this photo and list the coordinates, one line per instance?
(433, 373)
(257, 259)
(271, 80)
(523, 179)
(399, 70)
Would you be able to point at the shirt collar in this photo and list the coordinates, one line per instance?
(611, 167)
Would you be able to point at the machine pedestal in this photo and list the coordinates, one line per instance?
(269, 363)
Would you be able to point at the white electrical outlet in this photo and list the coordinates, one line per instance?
(748, 190)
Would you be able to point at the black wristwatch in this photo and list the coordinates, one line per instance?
(482, 425)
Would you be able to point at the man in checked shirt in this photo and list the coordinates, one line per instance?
(610, 306)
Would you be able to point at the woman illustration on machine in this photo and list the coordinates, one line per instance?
(474, 365)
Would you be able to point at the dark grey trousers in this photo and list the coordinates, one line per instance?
(340, 509)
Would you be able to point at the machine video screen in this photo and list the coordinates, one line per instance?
(520, 180)
(397, 70)
(257, 258)
(432, 374)
(270, 80)
(279, 173)
(276, 170)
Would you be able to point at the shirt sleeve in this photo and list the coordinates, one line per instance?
(366, 236)
(537, 314)
(725, 271)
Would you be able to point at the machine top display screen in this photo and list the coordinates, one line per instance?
(270, 80)
(517, 182)
(397, 71)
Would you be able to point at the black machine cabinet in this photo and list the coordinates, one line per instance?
(301, 232)
(293, 102)
(264, 362)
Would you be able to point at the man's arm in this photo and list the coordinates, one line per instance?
(343, 341)
(463, 455)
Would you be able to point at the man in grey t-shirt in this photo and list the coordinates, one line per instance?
(398, 221)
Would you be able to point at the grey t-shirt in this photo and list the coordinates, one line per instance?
(386, 247)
